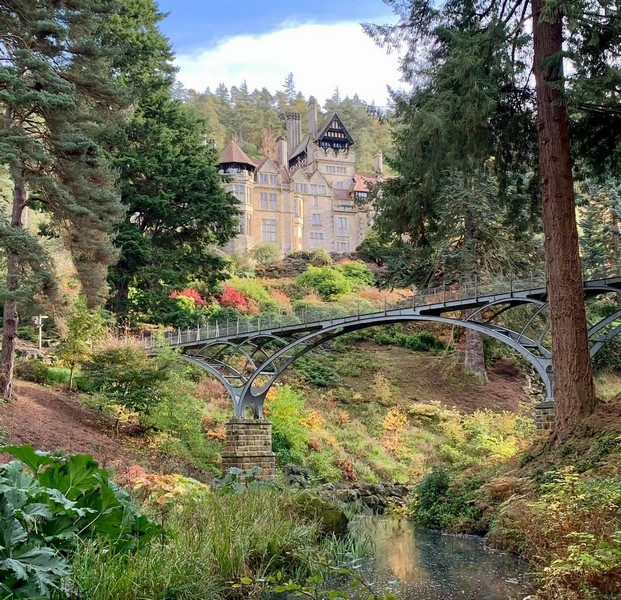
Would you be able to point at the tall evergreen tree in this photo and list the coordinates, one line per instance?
(588, 31)
(176, 208)
(461, 141)
(55, 96)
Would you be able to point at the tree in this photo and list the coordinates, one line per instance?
(461, 141)
(573, 378)
(56, 96)
(592, 34)
(600, 223)
(176, 208)
(85, 327)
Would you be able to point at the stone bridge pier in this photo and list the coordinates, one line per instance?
(248, 444)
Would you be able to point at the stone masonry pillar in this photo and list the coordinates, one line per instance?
(544, 415)
(249, 444)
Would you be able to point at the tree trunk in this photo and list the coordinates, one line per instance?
(474, 361)
(11, 318)
(573, 380)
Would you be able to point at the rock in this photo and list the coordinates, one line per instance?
(297, 476)
(332, 520)
(346, 495)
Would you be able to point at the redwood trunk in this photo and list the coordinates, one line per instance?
(11, 318)
(573, 381)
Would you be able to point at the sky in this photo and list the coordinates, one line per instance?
(261, 41)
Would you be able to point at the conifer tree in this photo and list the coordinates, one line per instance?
(176, 208)
(56, 96)
(460, 138)
(588, 32)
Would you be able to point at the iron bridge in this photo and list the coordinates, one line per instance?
(247, 356)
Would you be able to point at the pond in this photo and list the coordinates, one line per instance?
(418, 564)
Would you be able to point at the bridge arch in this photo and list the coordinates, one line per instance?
(252, 393)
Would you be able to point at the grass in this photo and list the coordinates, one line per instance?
(214, 541)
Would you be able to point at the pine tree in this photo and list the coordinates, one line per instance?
(56, 96)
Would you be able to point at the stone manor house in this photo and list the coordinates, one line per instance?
(309, 197)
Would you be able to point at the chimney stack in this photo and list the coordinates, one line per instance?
(282, 155)
(294, 129)
(312, 117)
(379, 163)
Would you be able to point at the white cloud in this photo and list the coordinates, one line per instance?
(321, 57)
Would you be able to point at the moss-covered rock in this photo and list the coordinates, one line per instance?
(332, 520)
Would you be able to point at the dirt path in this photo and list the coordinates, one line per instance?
(50, 420)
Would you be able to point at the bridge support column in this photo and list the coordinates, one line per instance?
(544, 415)
(249, 444)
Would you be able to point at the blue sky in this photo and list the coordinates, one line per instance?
(260, 41)
(194, 23)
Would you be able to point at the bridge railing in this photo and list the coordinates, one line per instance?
(441, 295)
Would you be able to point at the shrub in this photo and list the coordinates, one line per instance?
(571, 532)
(442, 503)
(320, 257)
(358, 273)
(178, 422)
(31, 370)
(231, 298)
(316, 372)
(285, 408)
(128, 377)
(326, 281)
(266, 254)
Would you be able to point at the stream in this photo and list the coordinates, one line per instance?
(418, 564)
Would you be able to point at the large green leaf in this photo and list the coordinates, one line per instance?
(34, 459)
(71, 477)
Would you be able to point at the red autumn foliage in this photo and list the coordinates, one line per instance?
(191, 294)
(231, 298)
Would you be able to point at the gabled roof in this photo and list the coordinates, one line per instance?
(269, 163)
(301, 147)
(232, 153)
(326, 125)
(363, 182)
(321, 131)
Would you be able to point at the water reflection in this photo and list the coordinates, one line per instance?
(424, 565)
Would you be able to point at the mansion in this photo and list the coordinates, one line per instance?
(309, 196)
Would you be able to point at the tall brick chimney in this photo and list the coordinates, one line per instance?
(294, 129)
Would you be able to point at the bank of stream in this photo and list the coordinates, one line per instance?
(418, 564)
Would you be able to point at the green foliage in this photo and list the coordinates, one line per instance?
(358, 273)
(439, 504)
(422, 341)
(329, 283)
(320, 257)
(128, 377)
(570, 532)
(176, 208)
(466, 200)
(317, 372)
(176, 420)
(60, 162)
(84, 328)
(215, 539)
(286, 412)
(47, 505)
(266, 254)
